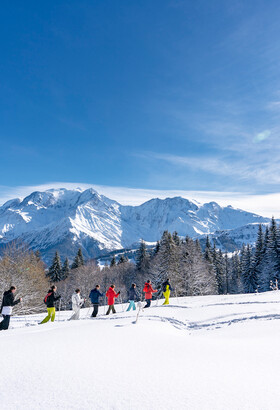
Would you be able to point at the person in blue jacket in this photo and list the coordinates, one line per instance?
(132, 296)
(94, 296)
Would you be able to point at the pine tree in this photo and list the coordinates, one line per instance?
(113, 261)
(142, 257)
(79, 260)
(273, 249)
(176, 238)
(122, 259)
(264, 276)
(226, 264)
(249, 277)
(235, 284)
(208, 251)
(258, 256)
(166, 261)
(65, 269)
(157, 248)
(278, 249)
(218, 264)
(55, 271)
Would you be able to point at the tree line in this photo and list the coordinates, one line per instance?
(191, 270)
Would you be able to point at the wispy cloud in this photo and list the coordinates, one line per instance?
(263, 170)
(262, 136)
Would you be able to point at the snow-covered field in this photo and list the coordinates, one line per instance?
(212, 352)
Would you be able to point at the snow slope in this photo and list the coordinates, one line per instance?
(211, 352)
(64, 220)
(232, 239)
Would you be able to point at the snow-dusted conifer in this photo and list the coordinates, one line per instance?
(166, 261)
(218, 264)
(208, 251)
(113, 261)
(157, 248)
(79, 260)
(235, 285)
(176, 238)
(122, 259)
(226, 270)
(142, 257)
(55, 270)
(249, 276)
(65, 269)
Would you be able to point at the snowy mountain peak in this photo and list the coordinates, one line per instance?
(11, 203)
(212, 205)
(62, 219)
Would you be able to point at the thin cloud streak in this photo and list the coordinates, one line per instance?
(260, 171)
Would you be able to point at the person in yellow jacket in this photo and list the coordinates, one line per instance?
(166, 289)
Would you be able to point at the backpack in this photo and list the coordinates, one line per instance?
(46, 297)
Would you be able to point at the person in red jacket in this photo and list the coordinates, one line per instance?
(111, 295)
(148, 293)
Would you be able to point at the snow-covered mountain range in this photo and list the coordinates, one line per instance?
(64, 220)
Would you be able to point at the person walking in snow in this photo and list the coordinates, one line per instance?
(166, 288)
(148, 293)
(94, 296)
(77, 303)
(111, 295)
(7, 307)
(132, 297)
(49, 300)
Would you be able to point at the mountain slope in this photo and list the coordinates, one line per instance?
(233, 239)
(67, 219)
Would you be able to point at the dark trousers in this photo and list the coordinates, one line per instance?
(95, 310)
(4, 325)
(148, 303)
(111, 308)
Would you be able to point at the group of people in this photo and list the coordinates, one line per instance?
(77, 301)
(133, 296)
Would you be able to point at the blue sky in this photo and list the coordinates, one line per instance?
(158, 95)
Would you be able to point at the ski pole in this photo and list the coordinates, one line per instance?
(157, 300)
(23, 311)
(59, 306)
(121, 302)
(140, 307)
(24, 314)
(88, 312)
(176, 296)
(104, 304)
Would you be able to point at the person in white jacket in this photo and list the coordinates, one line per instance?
(77, 302)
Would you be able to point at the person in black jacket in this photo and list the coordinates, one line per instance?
(132, 296)
(94, 296)
(50, 298)
(7, 306)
